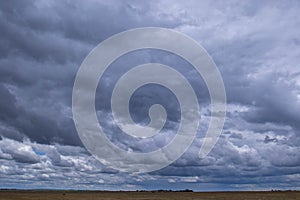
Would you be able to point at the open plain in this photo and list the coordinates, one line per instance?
(145, 195)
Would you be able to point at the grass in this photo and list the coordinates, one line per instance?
(144, 195)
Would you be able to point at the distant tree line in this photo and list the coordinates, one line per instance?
(186, 190)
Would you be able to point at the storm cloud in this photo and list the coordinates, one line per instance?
(256, 46)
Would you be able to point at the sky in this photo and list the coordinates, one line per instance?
(255, 45)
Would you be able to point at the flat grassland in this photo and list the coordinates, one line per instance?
(103, 195)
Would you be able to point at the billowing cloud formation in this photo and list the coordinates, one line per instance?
(256, 46)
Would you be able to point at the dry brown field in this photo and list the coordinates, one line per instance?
(103, 195)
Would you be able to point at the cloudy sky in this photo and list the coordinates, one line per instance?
(255, 44)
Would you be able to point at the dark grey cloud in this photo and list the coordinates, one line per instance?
(254, 44)
(8, 104)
